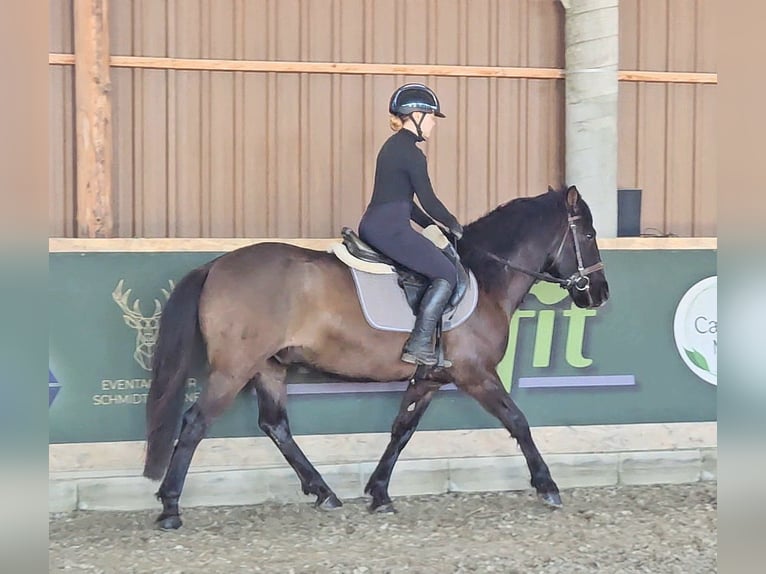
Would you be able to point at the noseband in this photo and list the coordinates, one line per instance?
(579, 279)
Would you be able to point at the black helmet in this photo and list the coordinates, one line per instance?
(414, 98)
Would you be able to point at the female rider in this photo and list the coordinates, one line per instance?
(401, 173)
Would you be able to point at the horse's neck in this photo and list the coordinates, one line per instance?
(519, 285)
(510, 292)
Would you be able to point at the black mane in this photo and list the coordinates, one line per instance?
(506, 228)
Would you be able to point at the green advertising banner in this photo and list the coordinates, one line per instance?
(648, 355)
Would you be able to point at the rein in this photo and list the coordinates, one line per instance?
(579, 280)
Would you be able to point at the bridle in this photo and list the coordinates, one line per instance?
(579, 279)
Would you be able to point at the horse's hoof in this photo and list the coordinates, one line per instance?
(386, 508)
(172, 522)
(330, 503)
(551, 499)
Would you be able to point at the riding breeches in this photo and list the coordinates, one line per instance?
(387, 228)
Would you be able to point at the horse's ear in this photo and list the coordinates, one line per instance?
(572, 196)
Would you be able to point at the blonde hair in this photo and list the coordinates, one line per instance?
(395, 123)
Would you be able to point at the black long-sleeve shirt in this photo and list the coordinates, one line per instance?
(401, 172)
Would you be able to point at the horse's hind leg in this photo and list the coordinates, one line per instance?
(414, 403)
(193, 429)
(218, 395)
(489, 392)
(272, 418)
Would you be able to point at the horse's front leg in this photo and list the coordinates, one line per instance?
(414, 403)
(488, 390)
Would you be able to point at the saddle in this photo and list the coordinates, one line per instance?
(411, 282)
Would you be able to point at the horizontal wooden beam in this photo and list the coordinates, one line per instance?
(379, 69)
(136, 245)
(319, 67)
(668, 77)
(61, 59)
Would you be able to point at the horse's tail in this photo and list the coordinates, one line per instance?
(179, 337)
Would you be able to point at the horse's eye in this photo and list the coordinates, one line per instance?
(589, 235)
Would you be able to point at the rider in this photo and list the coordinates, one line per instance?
(402, 172)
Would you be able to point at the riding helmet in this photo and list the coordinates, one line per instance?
(414, 98)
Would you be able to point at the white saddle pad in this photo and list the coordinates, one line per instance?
(385, 307)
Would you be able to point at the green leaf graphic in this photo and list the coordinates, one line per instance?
(697, 358)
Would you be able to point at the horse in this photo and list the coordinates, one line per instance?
(254, 311)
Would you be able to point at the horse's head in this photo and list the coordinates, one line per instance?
(577, 256)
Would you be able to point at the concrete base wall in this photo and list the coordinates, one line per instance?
(107, 476)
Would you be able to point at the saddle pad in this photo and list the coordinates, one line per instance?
(385, 306)
(342, 253)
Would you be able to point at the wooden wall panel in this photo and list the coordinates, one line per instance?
(545, 24)
(629, 32)
(124, 103)
(62, 171)
(61, 26)
(705, 209)
(185, 113)
(627, 143)
(150, 127)
(61, 143)
(232, 154)
(222, 119)
(705, 48)
(705, 213)
(666, 131)
(679, 192)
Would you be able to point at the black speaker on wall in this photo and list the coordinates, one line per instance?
(628, 212)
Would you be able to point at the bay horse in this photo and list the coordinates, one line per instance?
(260, 308)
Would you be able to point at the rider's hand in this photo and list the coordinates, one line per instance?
(457, 231)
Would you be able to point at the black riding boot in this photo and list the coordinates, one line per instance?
(419, 348)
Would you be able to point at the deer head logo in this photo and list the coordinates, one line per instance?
(146, 327)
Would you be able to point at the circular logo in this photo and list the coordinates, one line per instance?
(695, 328)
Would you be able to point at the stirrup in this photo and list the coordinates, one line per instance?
(440, 361)
(413, 359)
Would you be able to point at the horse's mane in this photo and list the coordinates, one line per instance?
(504, 229)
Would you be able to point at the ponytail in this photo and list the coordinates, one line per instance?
(395, 123)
